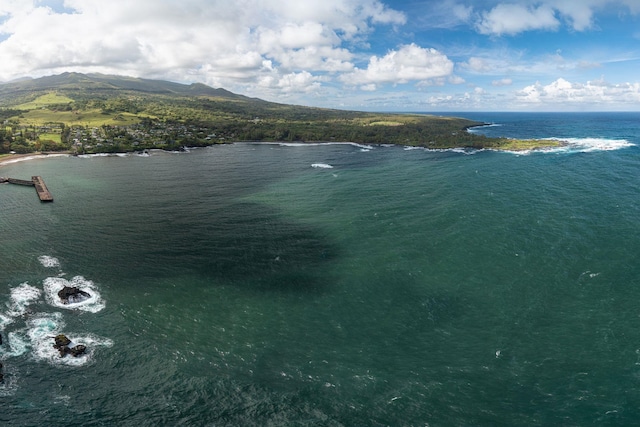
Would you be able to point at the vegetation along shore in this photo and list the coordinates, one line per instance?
(84, 114)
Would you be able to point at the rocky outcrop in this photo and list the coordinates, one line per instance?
(72, 295)
(61, 341)
(62, 345)
(78, 350)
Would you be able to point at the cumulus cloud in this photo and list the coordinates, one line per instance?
(298, 82)
(515, 18)
(563, 92)
(232, 44)
(408, 63)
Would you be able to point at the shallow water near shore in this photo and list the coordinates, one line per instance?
(254, 284)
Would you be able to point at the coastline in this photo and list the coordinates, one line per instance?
(6, 159)
(507, 145)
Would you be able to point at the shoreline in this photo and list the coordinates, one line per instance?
(7, 159)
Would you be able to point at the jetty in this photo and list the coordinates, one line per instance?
(37, 182)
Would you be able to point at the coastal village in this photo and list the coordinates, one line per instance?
(147, 134)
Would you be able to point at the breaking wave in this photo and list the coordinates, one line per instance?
(31, 157)
(93, 304)
(586, 145)
(21, 297)
(578, 145)
(43, 328)
(49, 261)
(28, 327)
(315, 144)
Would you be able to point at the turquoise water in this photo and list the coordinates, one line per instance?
(330, 284)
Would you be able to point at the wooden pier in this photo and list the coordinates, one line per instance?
(37, 182)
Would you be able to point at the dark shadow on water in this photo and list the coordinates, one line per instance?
(243, 244)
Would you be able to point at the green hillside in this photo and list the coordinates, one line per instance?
(99, 113)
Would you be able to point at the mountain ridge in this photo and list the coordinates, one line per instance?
(70, 82)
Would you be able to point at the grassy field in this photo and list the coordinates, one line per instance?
(55, 137)
(527, 144)
(43, 101)
(387, 119)
(386, 123)
(91, 118)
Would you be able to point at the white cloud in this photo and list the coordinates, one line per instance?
(409, 63)
(480, 65)
(580, 14)
(564, 93)
(509, 62)
(298, 82)
(441, 14)
(214, 41)
(517, 16)
(502, 82)
(514, 18)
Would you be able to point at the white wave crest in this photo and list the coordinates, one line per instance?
(89, 156)
(586, 145)
(321, 166)
(17, 345)
(459, 150)
(33, 157)
(475, 129)
(4, 321)
(577, 145)
(316, 144)
(93, 304)
(49, 261)
(21, 297)
(42, 332)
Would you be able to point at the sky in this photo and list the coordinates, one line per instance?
(371, 55)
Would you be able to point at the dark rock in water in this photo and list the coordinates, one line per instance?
(62, 345)
(72, 295)
(61, 341)
(77, 350)
(0, 339)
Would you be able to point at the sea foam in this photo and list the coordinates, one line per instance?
(52, 285)
(577, 145)
(34, 157)
(586, 145)
(49, 261)
(316, 144)
(4, 321)
(321, 166)
(21, 297)
(43, 329)
(459, 150)
(17, 345)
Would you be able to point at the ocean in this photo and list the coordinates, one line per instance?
(330, 284)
